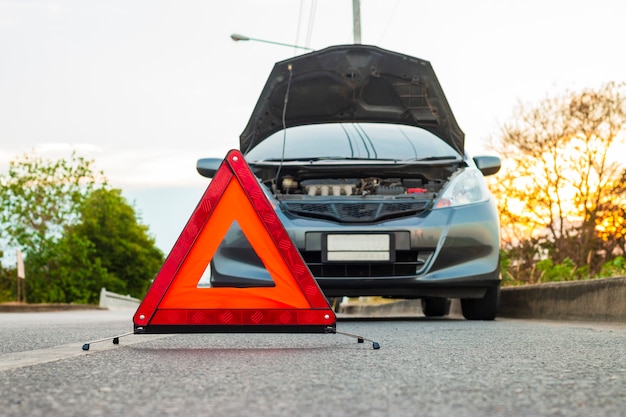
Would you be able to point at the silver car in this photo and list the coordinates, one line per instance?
(361, 156)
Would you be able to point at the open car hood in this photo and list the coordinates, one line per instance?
(352, 83)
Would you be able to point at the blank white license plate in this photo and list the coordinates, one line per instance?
(346, 247)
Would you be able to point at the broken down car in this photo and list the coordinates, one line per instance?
(360, 154)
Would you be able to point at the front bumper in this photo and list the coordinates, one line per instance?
(451, 252)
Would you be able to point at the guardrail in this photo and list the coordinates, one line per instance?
(113, 301)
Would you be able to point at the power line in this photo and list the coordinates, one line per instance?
(309, 33)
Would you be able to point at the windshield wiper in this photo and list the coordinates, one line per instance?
(434, 158)
(322, 158)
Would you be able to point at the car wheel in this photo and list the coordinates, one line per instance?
(435, 306)
(335, 303)
(482, 308)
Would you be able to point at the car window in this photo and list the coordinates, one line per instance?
(352, 140)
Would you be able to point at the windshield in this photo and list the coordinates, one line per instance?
(377, 141)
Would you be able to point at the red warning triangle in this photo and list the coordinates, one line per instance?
(175, 304)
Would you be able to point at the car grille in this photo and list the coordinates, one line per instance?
(356, 212)
(407, 263)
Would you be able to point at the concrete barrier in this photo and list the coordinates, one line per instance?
(40, 308)
(113, 301)
(592, 300)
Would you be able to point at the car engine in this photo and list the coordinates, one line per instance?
(370, 186)
(357, 200)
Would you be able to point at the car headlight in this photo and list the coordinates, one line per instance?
(466, 187)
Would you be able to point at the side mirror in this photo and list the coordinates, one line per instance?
(488, 165)
(207, 167)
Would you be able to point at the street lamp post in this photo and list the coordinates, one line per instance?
(356, 20)
(236, 37)
(356, 29)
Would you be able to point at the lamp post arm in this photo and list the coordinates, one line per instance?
(236, 37)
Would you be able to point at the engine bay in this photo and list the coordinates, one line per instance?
(362, 187)
(301, 186)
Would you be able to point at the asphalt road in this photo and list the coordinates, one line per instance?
(447, 367)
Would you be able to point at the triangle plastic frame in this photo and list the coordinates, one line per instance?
(175, 304)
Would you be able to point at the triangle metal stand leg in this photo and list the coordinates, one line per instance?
(115, 339)
(360, 339)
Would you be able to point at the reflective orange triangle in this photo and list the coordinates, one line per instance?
(175, 303)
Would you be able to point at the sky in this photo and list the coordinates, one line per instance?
(145, 87)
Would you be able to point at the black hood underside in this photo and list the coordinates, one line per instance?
(352, 83)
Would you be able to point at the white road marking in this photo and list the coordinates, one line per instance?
(16, 360)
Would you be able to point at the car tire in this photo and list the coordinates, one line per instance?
(484, 308)
(435, 306)
(335, 303)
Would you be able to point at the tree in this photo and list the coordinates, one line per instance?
(561, 178)
(68, 270)
(8, 284)
(39, 197)
(121, 244)
(611, 219)
(77, 235)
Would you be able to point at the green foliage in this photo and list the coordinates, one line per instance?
(107, 247)
(67, 271)
(563, 271)
(546, 270)
(39, 197)
(509, 277)
(614, 268)
(121, 243)
(8, 284)
(518, 264)
(77, 235)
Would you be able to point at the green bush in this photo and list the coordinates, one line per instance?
(8, 284)
(614, 268)
(564, 271)
(547, 271)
